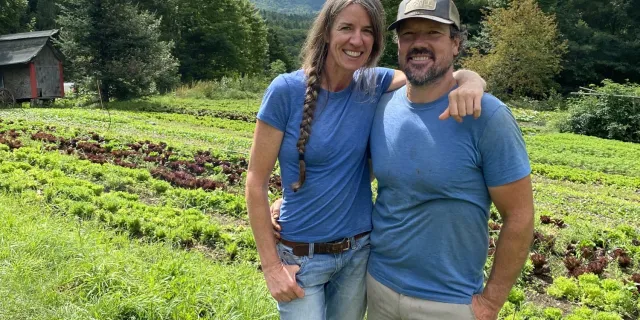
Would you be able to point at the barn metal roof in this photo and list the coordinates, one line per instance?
(22, 47)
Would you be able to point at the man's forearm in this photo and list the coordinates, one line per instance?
(512, 251)
(463, 76)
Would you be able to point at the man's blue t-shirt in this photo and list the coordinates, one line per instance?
(335, 202)
(430, 235)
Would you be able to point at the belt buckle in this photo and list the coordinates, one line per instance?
(348, 245)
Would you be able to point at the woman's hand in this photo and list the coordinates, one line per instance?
(466, 99)
(281, 281)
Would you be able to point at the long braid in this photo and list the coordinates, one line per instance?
(310, 102)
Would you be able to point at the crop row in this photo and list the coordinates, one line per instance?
(595, 154)
(185, 132)
(162, 221)
(226, 109)
(202, 171)
(559, 172)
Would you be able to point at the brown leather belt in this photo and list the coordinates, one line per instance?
(302, 249)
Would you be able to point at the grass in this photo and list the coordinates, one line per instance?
(57, 267)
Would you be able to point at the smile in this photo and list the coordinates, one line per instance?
(420, 58)
(353, 54)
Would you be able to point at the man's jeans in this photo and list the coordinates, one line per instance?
(333, 284)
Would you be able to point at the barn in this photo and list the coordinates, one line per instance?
(30, 67)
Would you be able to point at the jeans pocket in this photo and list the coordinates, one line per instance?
(288, 258)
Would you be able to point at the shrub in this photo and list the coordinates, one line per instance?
(607, 114)
(234, 88)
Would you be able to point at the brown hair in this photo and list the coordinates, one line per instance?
(314, 54)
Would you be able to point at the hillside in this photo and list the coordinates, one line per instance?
(290, 6)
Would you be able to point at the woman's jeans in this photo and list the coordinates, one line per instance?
(334, 284)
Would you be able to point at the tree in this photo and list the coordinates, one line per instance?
(46, 13)
(255, 47)
(277, 51)
(275, 68)
(115, 42)
(216, 39)
(12, 13)
(525, 51)
(602, 37)
(287, 33)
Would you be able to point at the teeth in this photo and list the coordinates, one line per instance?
(420, 58)
(354, 54)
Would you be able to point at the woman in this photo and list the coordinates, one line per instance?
(327, 194)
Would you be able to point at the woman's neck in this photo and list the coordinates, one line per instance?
(335, 79)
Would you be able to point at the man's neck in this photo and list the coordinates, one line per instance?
(433, 91)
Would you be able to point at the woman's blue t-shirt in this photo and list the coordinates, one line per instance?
(335, 201)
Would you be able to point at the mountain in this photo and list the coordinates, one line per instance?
(290, 6)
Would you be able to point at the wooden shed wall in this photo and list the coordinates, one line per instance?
(16, 79)
(48, 73)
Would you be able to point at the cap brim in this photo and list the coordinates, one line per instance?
(434, 18)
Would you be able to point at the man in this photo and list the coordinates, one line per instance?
(436, 181)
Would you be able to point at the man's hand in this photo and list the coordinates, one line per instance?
(483, 308)
(281, 281)
(466, 99)
(275, 214)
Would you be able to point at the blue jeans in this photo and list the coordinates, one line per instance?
(334, 284)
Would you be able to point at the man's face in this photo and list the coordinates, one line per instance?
(425, 50)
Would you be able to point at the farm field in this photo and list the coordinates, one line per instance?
(139, 213)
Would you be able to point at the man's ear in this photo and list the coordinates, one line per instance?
(456, 47)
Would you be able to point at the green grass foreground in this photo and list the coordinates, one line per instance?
(59, 267)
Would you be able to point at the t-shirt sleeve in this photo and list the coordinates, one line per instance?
(384, 76)
(504, 154)
(275, 107)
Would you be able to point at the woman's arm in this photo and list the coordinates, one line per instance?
(463, 101)
(281, 279)
(399, 80)
(466, 99)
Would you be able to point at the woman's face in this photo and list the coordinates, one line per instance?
(350, 40)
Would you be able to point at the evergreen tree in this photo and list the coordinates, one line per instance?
(216, 39)
(12, 12)
(255, 45)
(277, 51)
(116, 43)
(603, 40)
(46, 13)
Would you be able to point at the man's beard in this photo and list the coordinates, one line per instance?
(432, 74)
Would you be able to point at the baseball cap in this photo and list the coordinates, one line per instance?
(444, 11)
